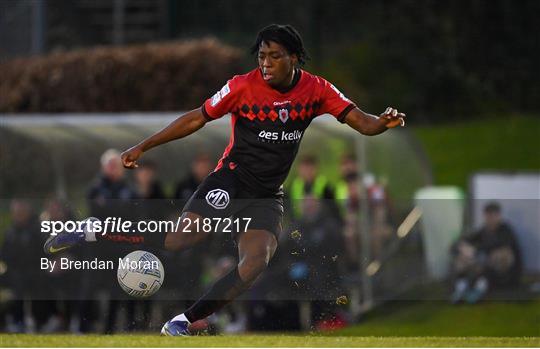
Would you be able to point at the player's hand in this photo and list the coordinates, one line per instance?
(392, 118)
(130, 157)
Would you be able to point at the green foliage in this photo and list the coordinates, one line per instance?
(500, 143)
(436, 60)
(153, 77)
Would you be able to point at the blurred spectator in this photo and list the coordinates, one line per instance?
(348, 197)
(61, 307)
(150, 192)
(381, 230)
(380, 209)
(109, 196)
(351, 216)
(201, 166)
(348, 165)
(488, 258)
(347, 194)
(349, 191)
(309, 182)
(21, 252)
(152, 205)
(376, 191)
(316, 252)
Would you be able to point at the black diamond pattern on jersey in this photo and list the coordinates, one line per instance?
(245, 109)
(298, 108)
(266, 109)
(255, 109)
(307, 107)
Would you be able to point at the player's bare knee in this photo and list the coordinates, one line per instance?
(255, 249)
(250, 268)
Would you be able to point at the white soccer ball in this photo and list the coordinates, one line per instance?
(140, 274)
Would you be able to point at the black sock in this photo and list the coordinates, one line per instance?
(154, 239)
(222, 292)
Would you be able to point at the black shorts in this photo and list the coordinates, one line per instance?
(223, 196)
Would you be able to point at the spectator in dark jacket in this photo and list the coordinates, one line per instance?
(150, 192)
(20, 252)
(201, 166)
(313, 254)
(490, 257)
(110, 195)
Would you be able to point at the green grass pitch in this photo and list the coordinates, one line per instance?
(260, 341)
(397, 324)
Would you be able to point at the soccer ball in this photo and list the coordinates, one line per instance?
(140, 274)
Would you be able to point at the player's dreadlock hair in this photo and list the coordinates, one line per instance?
(284, 35)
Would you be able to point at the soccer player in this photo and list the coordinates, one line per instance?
(271, 107)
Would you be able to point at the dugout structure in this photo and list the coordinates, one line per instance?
(44, 155)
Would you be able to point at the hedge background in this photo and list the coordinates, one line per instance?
(149, 77)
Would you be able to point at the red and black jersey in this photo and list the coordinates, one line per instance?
(268, 125)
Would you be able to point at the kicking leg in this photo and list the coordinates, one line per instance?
(186, 236)
(255, 249)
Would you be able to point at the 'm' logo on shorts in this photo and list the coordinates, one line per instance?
(217, 198)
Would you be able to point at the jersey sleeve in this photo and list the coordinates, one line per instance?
(223, 101)
(333, 102)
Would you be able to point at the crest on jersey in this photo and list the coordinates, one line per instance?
(283, 115)
(217, 198)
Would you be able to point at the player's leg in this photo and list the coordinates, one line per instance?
(256, 246)
(255, 249)
(187, 234)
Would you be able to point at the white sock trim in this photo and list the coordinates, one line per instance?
(181, 317)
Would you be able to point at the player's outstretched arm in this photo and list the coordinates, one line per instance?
(179, 128)
(371, 125)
